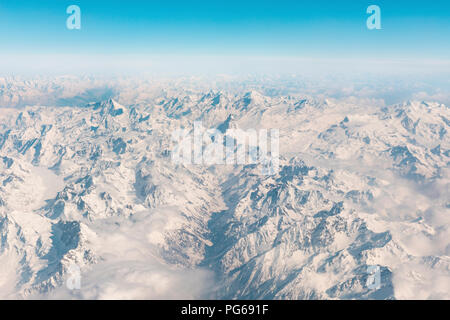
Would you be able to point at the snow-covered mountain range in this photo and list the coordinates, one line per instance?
(94, 186)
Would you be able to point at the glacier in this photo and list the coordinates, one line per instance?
(92, 184)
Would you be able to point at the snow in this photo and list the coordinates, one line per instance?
(360, 184)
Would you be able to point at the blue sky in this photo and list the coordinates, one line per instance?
(309, 29)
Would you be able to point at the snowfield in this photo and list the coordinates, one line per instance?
(94, 185)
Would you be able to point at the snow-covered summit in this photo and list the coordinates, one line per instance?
(94, 186)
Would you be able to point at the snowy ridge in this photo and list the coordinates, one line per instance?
(95, 186)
